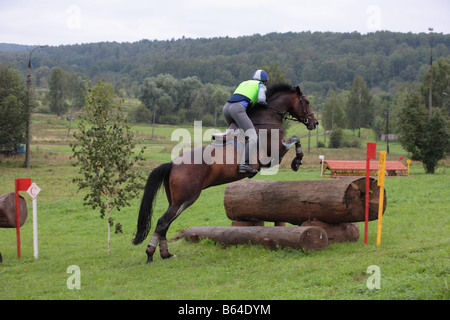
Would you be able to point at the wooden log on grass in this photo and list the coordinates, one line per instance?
(332, 201)
(306, 238)
(8, 210)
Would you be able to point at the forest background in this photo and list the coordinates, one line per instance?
(179, 81)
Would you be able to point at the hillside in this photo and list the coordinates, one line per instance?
(318, 60)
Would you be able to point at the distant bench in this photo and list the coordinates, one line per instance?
(340, 168)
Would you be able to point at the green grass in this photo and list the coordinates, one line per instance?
(413, 257)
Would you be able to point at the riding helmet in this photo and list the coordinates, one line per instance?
(260, 75)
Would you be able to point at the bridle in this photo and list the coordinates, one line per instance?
(303, 101)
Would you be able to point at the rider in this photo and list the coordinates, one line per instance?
(247, 94)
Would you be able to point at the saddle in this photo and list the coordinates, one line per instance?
(228, 137)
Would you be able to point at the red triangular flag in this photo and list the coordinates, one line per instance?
(23, 184)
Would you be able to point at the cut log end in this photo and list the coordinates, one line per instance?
(341, 232)
(8, 211)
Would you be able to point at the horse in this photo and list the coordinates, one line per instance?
(185, 180)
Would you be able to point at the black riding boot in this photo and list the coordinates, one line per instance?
(247, 168)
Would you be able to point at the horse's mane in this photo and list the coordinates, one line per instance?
(279, 88)
(272, 91)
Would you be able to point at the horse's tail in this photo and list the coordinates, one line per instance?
(154, 182)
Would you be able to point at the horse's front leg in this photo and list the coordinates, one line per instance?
(297, 161)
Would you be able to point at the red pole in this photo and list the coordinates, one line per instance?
(371, 153)
(21, 185)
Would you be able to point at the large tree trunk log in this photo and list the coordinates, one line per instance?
(332, 201)
(8, 210)
(307, 238)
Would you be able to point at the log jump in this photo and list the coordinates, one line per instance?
(331, 201)
(323, 210)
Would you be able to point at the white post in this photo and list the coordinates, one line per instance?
(321, 157)
(35, 232)
(33, 191)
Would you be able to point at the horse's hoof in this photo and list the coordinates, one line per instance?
(149, 257)
(296, 163)
(168, 256)
(149, 251)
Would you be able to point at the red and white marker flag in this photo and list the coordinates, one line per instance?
(21, 185)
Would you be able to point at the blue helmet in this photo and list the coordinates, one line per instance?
(260, 75)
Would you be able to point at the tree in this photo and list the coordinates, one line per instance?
(160, 94)
(359, 106)
(104, 154)
(187, 87)
(276, 72)
(336, 138)
(64, 86)
(426, 140)
(13, 100)
(333, 112)
(57, 86)
(441, 84)
(383, 115)
(74, 89)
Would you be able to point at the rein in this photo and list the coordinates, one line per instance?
(285, 115)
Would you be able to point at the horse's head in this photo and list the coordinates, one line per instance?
(301, 110)
(287, 100)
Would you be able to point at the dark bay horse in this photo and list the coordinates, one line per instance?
(184, 181)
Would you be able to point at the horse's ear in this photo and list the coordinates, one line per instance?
(299, 91)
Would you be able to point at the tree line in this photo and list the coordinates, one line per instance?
(354, 81)
(316, 60)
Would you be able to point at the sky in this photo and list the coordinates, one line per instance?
(62, 22)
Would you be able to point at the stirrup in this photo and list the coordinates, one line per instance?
(223, 135)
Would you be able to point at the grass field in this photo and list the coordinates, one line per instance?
(413, 257)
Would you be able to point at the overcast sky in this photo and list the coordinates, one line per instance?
(56, 22)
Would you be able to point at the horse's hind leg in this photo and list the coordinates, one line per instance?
(151, 247)
(182, 189)
(163, 225)
(159, 236)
